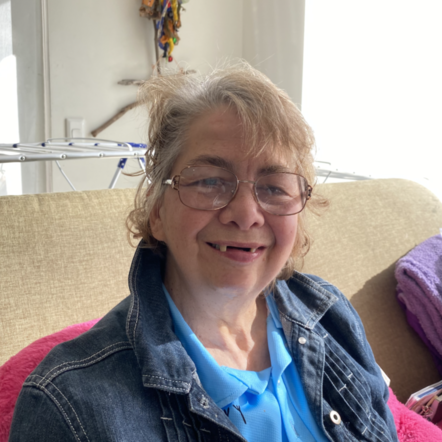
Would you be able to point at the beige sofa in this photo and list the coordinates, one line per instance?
(64, 259)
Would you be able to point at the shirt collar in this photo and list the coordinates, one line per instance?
(219, 384)
(224, 384)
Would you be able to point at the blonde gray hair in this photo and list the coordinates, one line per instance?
(269, 118)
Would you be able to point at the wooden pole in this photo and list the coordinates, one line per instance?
(155, 40)
(115, 118)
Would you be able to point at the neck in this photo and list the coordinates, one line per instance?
(232, 326)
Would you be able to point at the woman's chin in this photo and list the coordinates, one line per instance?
(239, 285)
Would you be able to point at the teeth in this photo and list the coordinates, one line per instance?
(224, 248)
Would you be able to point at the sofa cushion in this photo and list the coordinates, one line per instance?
(64, 260)
(15, 371)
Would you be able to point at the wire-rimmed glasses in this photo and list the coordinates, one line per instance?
(212, 188)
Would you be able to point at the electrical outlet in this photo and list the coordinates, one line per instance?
(75, 127)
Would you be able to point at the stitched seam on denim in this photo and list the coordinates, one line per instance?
(354, 412)
(177, 433)
(195, 422)
(375, 423)
(82, 363)
(304, 280)
(136, 296)
(164, 419)
(354, 382)
(292, 320)
(165, 379)
(73, 409)
(209, 418)
(327, 295)
(159, 386)
(63, 412)
(367, 413)
(132, 291)
(129, 316)
(323, 297)
(367, 405)
(364, 407)
(186, 425)
(381, 427)
(353, 369)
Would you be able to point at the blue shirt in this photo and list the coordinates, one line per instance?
(269, 405)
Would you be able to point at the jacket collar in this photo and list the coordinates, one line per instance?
(163, 361)
(310, 303)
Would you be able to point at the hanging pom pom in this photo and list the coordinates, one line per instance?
(170, 58)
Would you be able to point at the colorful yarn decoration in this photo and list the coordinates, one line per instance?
(167, 14)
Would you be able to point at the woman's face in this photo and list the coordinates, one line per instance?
(192, 261)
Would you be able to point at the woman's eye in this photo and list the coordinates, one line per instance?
(272, 190)
(211, 182)
(207, 183)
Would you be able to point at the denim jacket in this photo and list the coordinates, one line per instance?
(130, 379)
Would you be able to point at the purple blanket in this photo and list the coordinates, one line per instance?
(419, 277)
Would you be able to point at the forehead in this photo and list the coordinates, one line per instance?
(218, 138)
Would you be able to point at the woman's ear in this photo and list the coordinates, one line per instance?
(156, 223)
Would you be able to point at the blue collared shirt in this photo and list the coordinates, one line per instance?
(269, 405)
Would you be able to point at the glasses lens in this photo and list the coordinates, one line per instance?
(282, 193)
(206, 187)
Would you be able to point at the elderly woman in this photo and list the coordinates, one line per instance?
(221, 339)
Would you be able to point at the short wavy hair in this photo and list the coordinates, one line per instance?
(270, 121)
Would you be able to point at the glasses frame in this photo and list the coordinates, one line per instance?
(174, 182)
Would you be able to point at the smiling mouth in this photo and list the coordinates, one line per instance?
(223, 248)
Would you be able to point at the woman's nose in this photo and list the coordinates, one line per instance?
(243, 210)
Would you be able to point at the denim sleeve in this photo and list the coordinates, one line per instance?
(37, 418)
(357, 345)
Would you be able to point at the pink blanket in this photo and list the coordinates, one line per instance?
(410, 426)
(15, 371)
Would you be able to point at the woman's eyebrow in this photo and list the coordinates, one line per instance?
(211, 160)
(273, 168)
(214, 160)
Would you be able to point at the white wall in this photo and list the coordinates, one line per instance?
(372, 86)
(94, 44)
(273, 41)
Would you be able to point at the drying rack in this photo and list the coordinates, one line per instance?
(63, 149)
(326, 170)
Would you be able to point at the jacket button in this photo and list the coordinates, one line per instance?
(302, 341)
(335, 418)
(204, 402)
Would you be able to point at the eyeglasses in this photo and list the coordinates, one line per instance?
(212, 188)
